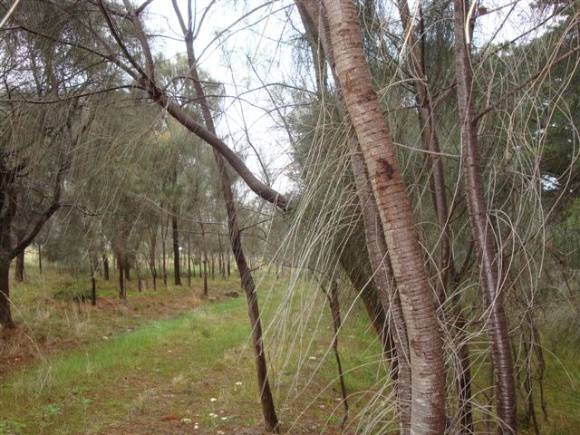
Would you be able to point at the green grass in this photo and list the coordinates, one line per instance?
(138, 370)
(62, 394)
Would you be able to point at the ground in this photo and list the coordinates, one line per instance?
(171, 362)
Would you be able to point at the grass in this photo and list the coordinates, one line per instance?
(163, 363)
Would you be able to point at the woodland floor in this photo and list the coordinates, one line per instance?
(169, 362)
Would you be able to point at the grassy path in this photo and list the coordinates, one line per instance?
(194, 373)
(110, 381)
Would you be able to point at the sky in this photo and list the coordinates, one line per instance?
(258, 49)
(253, 43)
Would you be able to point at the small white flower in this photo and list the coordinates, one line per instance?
(224, 418)
(239, 383)
(212, 415)
(312, 358)
(322, 406)
(186, 420)
(105, 337)
(213, 399)
(221, 432)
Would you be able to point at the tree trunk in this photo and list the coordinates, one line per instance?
(188, 260)
(139, 280)
(426, 356)
(121, 267)
(106, 275)
(176, 263)
(164, 261)
(480, 227)
(127, 267)
(40, 258)
(153, 257)
(267, 401)
(19, 268)
(333, 302)
(317, 26)
(5, 310)
(93, 280)
(383, 278)
(204, 260)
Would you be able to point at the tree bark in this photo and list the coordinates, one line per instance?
(19, 268)
(106, 275)
(333, 302)
(40, 258)
(93, 280)
(480, 227)
(426, 357)
(188, 260)
(122, 288)
(446, 266)
(5, 311)
(153, 256)
(431, 141)
(316, 24)
(204, 259)
(176, 263)
(383, 278)
(164, 259)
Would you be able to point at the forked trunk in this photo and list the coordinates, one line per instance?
(425, 343)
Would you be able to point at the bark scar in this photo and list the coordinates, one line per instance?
(388, 168)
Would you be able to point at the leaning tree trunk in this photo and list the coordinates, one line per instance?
(268, 409)
(394, 206)
(480, 227)
(247, 281)
(316, 25)
(390, 300)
